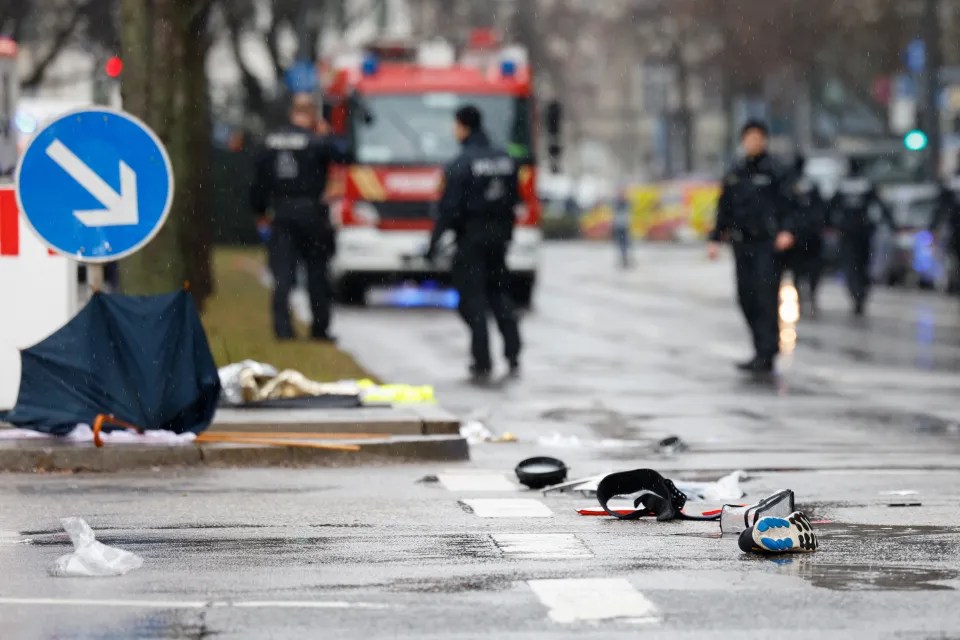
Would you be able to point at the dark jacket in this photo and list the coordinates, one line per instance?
(480, 191)
(810, 215)
(948, 209)
(755, 203)
(851, 207)
(290, 172)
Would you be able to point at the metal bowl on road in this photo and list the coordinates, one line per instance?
(541, 471)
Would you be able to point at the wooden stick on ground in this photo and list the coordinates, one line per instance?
(284, 435)
(352, 448)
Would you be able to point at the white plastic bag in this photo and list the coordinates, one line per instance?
(91, 558)
(726, 488)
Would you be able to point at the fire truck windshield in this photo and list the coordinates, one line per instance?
(418, 128)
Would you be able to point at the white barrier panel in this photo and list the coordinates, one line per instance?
(38, 291)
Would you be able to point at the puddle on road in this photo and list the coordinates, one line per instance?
(304, 550)
(191, 626)
(871, 577)
(54, 489)
(169, 527)
(598, 417)
(747, 413)
(607, 424)
(923, 423)
(454, 585)
(882, 558)
(205, 545)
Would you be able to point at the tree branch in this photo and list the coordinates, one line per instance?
(273, 42)
(253, 90)
(60, 39)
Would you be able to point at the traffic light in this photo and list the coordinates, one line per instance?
(915, 140)
(113, 67)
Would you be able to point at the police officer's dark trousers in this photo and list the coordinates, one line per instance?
(807, 265)
(954, 248)
(856, 263)
(481, 278)
(301, 235)
(758, 291)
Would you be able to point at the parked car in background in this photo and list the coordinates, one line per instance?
(911, 255)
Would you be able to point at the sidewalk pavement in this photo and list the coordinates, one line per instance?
(376, 435)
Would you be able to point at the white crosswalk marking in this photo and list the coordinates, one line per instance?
(508, 508)
(194, 604)
(476, 481)
(574, 600)
(541, 546)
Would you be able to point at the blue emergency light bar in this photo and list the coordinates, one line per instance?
(508, 68)
(370, 65)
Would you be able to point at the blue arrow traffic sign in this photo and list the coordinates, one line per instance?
(95, 184)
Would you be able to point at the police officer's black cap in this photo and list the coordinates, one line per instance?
(469, 116)
(754, 125)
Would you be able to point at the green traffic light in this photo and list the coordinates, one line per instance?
(915, 140)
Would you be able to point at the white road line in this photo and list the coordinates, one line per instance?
(541, 546)
(195, 604)
(76, 602)
(574, 600)
(508, 508)
(475, 482)
(303, 604)
(10, 537)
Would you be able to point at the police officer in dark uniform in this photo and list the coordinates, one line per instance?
(851, 213)
(948, 211)
(756, 215)
(805, 259)
(290, 177)
(479, 195)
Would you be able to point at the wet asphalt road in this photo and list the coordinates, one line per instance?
(615, 362)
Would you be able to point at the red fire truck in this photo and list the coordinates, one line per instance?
(395, 105)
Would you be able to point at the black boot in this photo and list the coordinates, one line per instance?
(480, 375)
(761, 366)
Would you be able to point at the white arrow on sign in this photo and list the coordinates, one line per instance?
(121, 208)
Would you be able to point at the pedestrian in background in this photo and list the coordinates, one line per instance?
(755, 214)
(290, 177)
(479, 195)
(621, 227)
(805, 258)
(853, 210)
(948, 213)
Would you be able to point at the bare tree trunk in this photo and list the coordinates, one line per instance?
(164, 46)
(197, 235)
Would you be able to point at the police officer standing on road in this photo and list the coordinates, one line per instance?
(805, 259)
(851, 211)
(948, 211)
(755, 214)
(479, 195)
(290, 177)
